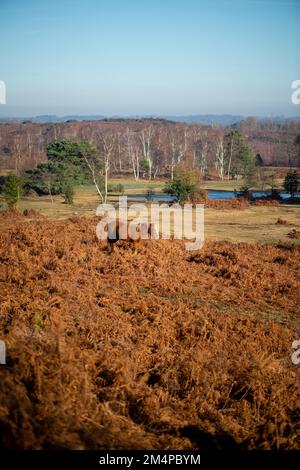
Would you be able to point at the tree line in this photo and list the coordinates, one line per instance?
(73, 163)
(147, 147)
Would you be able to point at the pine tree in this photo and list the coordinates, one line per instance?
(12, 190)
(292, 183)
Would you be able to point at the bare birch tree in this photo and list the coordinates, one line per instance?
(94, 165)
(107, 145)
(146, 141)
(220, 159)
(178, 146)
(133, 153)
(17, 151)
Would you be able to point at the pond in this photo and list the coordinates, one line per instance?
(212, 194)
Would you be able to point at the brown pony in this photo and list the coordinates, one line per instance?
(122, 230)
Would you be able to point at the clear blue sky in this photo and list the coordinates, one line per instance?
(149, 56)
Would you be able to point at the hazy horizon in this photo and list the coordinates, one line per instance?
(150, 116)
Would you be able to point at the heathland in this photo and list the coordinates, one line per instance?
(155, 347)
(148, 346)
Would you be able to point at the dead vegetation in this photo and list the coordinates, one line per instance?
(232, 203)
(238, 203)
(295, 234)
(158, 348)
(32, 213)
(281, 221)
(267, 202)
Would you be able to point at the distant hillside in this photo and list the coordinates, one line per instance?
(223, 120)
(54, 118)
(219, 119)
